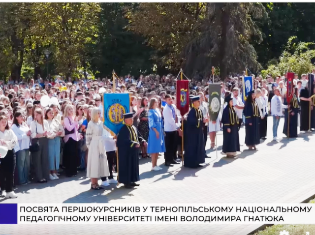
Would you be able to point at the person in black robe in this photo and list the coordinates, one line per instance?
(194, 142)
(231, 143)
(305, 109)
(312, 102)
(128, 144)
(252, 119)
(293, 120)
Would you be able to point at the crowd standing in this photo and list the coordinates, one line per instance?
(54, 127)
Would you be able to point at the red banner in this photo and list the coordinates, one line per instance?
(182, 96)
(290, 87)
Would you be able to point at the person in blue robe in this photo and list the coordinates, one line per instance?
(194, 138)
(128, 144)
(252, 118)
(293, 121)
(231, 143)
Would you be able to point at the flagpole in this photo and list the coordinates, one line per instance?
(288, 108)
(181, 78)
(117, 157)
(114, 82)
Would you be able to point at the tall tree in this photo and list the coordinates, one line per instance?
(225, 37)
(66, 29)
(168, 27)
(14, 27)
(118, 48)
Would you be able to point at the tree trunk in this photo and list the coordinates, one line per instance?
(37, 71)
(224, 24)
(18, 51)
(84, 68)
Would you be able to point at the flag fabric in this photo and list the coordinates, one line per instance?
(311, 84)
(248, 86)
(290, 91)
(115, 105)
(214, 101)
(182, 96)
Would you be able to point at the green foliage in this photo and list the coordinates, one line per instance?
(118, 48)
(297, 57)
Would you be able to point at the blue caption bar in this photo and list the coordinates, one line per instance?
(8, 213)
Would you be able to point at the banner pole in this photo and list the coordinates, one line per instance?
(288, 122)
(181, 78)
(309, 121)
(114, 82)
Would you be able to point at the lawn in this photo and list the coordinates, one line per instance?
(292, 229)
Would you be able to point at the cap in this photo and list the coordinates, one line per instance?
(195, 98)
(228, 98)
(128, 115)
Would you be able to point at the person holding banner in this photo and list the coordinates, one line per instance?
(293, 120)
(128, 143)
(305, 109)
(194, 142)
(252, 117)
(230, 121)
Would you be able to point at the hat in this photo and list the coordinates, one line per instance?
(228, 98)
(250, 93)
(36, 102)
(97, 98)
(128, 115)
(195, 98)
(3, 151)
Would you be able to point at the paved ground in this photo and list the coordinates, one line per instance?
(278, 172)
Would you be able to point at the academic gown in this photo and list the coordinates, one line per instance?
(128, 155)
(194, 142)
(293, 122)
(305, 107)
(231, 141)
(313, 112)
(251, 113)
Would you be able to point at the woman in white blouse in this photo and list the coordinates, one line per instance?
(39, 131)
(97, 165)
(263, 112)
(8, 140)
(55, 132)
(22, 132)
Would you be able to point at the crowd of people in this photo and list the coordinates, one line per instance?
(51, 126)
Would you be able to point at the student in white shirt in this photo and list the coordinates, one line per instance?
(56, 131)
(110, 146)
(238, 106)
(22, 132)
(8, 140)
(40, 129)
(276, 111)
(170, 129)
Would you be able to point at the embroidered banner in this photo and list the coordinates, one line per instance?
(290, 88)
(248, 86)
(214, 101)
(115, 105)
(182, 96)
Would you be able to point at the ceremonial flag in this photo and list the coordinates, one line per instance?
(248, 86)
(290, 91)
(182, 96)
(115, 105)
(214, 101)
(311, 84)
